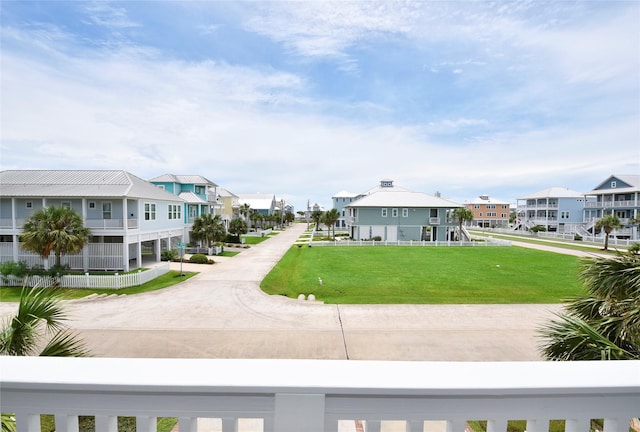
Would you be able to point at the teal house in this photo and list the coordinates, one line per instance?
(391, 213)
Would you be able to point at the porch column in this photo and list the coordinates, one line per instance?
(14, 227)
(85, 249)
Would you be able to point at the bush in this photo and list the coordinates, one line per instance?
(19, 269)
(232, 238)
(377, 238)
(577, 237)
(169, 255)
(200, 259)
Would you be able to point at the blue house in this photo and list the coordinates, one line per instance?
(555, 208)
(391, 213)
(618, 195)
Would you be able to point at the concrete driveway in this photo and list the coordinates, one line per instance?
(222, 313)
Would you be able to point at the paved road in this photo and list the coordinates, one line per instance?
(222, 313)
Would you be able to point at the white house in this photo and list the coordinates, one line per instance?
(130, 218)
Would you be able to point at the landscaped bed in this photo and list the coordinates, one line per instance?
(447, 275)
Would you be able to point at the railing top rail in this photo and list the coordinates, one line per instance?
(389, 378)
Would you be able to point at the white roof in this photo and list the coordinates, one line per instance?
(258, 201)
(344, 194)
(402, 198)
(183, 179)
(485, 199)
(226, 193)
(191, 198)
(554, 192)
(79, 183)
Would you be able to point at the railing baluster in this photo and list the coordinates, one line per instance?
(106, 423)
(457, 425)
(146, 424)
(614, 425)
(229, 424)
(27, 422)
(577, 425)
(67, 423)
(373, 425)
(415, 426)
(188, 424)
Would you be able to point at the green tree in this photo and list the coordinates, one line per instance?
(54, 229)
(330, 219)
(316, 217)
(605, 322)
(24, 334)
(289, 217)
(245, 210)
(607, 223)
(237, 227)
(462, 214)
(209, 229)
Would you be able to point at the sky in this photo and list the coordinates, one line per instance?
(306, 99)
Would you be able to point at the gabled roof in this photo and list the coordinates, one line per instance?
(631, 184)
(225, 193)
(554, 192)
(183, 179)
(402, 198)
(258, 201)
(191, 198)
(79, 183)
(345, 194)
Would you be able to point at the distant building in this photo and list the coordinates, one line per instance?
(618, 195)
(489, 212)
(392, 213)
(340, 201)
(555, 208)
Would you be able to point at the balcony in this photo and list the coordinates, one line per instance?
(319, 395)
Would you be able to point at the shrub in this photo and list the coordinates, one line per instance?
(19, 269)
(200, 259)
(377, 238)
(169, 255)
(577, 237)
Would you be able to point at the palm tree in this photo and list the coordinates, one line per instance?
(316, 217)
(608, 223)
(462, 214)
(54, 229)
(245, 210)
(604, 323)
(330, 219)
(237, 227)
(39, 309)
(209, 228)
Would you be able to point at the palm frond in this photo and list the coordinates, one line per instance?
(571, 338)
(65, 344)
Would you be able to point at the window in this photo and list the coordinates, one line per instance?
(106, 210)
(149, 211)
(476, 206)
(491, 206)
(28, 204)
(405, 212)
(613, 185)
(394, 212)
(175, 211)
(384, 212)
(505, 206)
(503, 215)
(492, 214)
(160, 186)
(65, 205)
(92, 204)
(480, 214)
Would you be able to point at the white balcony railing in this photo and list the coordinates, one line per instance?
(319, 395)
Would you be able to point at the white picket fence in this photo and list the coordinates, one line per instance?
(116, 281)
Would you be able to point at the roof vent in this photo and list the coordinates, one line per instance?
(386, 183)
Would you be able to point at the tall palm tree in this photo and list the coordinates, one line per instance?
(40, 317)
(245, 210)
(604, 323)
(462, 214)
(607, 223)
(54, 229)
(209, 228)
(330, 219)
(316, 217)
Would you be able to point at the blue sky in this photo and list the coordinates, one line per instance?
(306, 99)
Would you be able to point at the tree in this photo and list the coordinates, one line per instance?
(462, 214)
(607, 223)
(316, 217)
(23, 334)
(237, 227)
(605, 322)
(330, 219)
(54, 229)
(209, 228)
(245, 210)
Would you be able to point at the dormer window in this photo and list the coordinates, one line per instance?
(613, 185)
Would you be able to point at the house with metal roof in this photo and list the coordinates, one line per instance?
(199, 194)
(618, 195)
(131, 220)
(555, 208)
(391, 213)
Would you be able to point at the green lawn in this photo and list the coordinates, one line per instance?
(425, 275)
